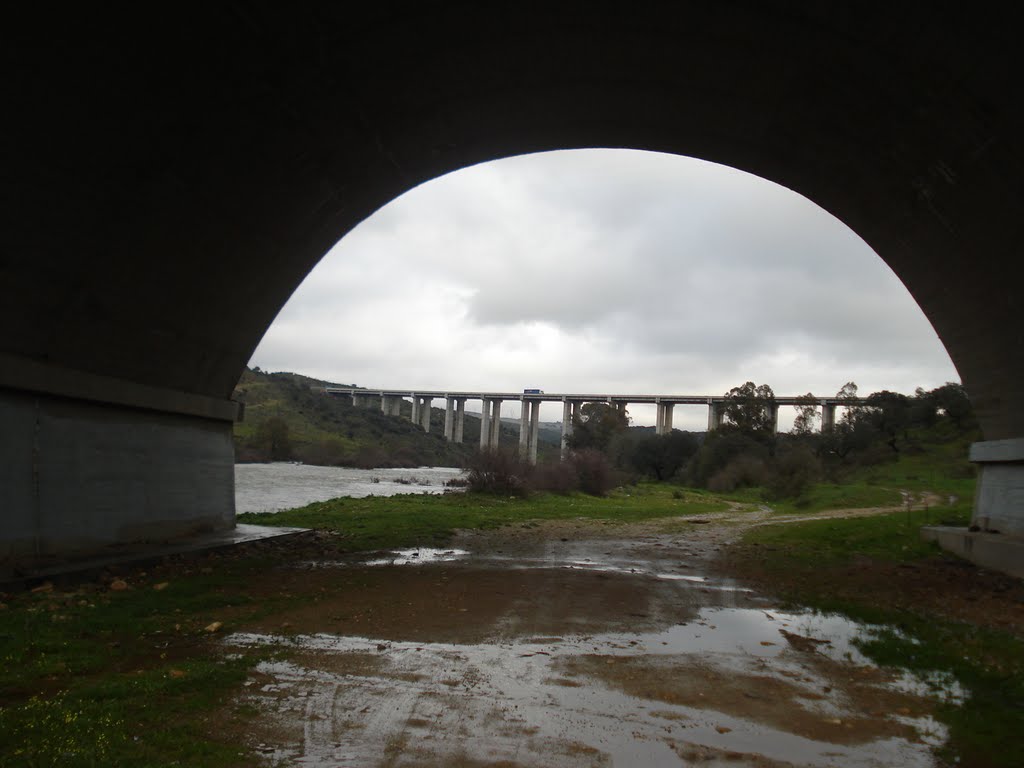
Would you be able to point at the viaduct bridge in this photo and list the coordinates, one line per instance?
(166, 187)
(490, 413)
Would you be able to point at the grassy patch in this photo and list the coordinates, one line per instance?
(891, 538)
(97, 677)
(408, 520)
(826, 496)
(830, 565)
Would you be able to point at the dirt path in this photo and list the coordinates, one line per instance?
(568, 644)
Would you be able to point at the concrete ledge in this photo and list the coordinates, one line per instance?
(18, 373)
(997, 450)
(144, 553)
(988, 550)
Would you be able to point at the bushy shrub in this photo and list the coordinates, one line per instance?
(743, 471)
(593, 472)
(794, 472)
(555, 477)
(721, 449)
(498, 472)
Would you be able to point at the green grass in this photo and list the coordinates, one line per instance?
(825, 496)
(407, 520)
(809, 559)
(95, 677)
(891, 538)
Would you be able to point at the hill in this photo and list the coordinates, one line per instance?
(288, 416)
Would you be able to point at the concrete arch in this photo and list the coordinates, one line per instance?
(167, 187)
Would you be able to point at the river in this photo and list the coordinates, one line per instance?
(283, 485)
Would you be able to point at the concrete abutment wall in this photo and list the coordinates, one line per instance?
(78, 477)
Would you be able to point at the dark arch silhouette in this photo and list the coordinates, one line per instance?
(168, 183)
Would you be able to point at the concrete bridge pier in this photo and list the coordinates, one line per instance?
(425, 413)
(449, 418)
(828, 416)
(534, 430)
(715, 415)
(485, 424)
(460, 419)
(524, 428)
(495, 430)
(773, 413)
(566, 426)
(414, 417)
(663, 424)
(996, 536)
(88, 462)
(529, 430)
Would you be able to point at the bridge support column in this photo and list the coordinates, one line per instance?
(449, 418)
(566, 426)
(524, 428)
(659, 418)
(460, 419)
(534, 429)
(999, 493)
(773, 413)
(78, 475)
(485, 424)
(664, 418)
(425, 413)
(828, 416)
(996, 537)
(715, 415)
(495, 430)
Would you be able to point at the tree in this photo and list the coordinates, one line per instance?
(951, 399)
(889, 413)
(596, 425)
(847, 397)
(751, 409)
(848, 433)
(661, 456)
(806, 415)
(273, 439)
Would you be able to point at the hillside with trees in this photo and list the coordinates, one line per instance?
(288, 417)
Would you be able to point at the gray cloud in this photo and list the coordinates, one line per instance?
(605, 270)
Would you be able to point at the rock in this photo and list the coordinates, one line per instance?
(177, 673)
(161, 586)
(722, 729)
(118, 585)
(214, 626)
(47, 587)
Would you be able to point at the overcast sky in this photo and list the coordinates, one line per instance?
(605, 271)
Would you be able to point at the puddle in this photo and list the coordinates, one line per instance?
(565, 652)
(739, 685)
(419, 556)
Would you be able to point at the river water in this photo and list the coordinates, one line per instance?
(283, 485)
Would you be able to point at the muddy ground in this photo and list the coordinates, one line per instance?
(566, 644)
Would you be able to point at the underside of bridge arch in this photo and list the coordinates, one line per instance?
(168, 184)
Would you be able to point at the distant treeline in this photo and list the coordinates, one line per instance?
(746, 451)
